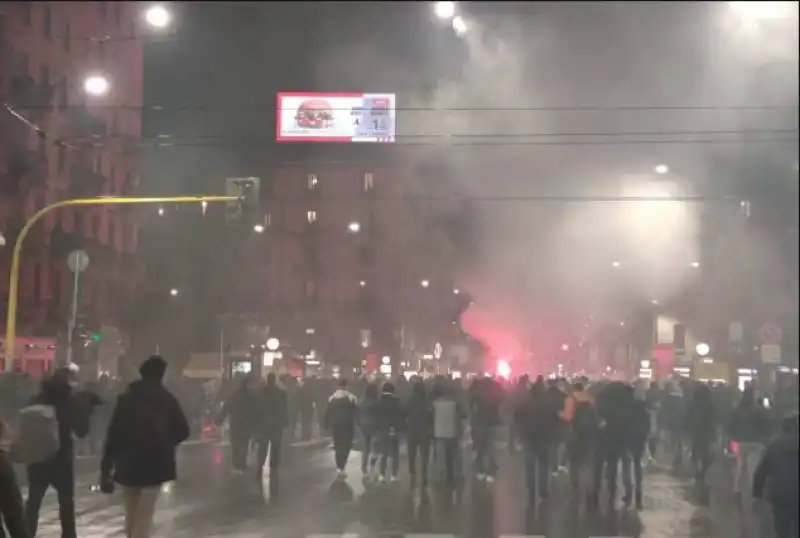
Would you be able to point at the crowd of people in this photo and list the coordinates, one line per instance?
(584, 430)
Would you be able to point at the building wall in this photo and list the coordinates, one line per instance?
(310, 267)
(57, 44)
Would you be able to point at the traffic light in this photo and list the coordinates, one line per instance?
(245, 209)
(94, 336)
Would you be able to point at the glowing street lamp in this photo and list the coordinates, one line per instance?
(459, 25)
(158, 17)
(662, 169)
(258, 228)
(96, 85)
(425, 283)
(702, 349)
(173, 292)
(695, 264)
(615, 265)
(444, 10)
(354, 227)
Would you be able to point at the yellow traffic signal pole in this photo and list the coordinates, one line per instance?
(13, 278)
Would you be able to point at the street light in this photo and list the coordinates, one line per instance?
(615, 264)
(354, 227)
(362, 283)
(564, 347)
(702, 349)
(459, 25)
(158, 17)
(425, 283)
(96, 85)
(173, 292)
(160, 211)
(444, 10)
(662, 169)
(695, 264)
(258, 228)
(456, 291)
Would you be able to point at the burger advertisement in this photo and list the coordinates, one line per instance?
(336, 117)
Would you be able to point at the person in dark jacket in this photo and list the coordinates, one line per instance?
(701, 430)
(273, 406)
(391, 421)
(341, 415)
(538, 419)
(57, 471)
(614, 404)
(750, 428)
(146, 427)
(12, 516)
(419, 430)
(240, 408)
(368, 422)
(485, 399)
(637, 433)
(778, 469)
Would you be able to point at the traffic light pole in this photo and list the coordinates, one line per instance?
(13, 279)
(76, 281)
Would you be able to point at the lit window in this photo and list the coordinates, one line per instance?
(313, 181)
(369, 182)
(311, 216)
(310, 330)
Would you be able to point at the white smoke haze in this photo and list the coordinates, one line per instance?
(537, 259)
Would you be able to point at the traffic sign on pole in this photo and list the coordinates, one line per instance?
(770, 333)
(77, 261)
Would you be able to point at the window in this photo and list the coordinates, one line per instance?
(311, 216)
(61, 158)
(44, 75)
(63, 96)
(67, 38)
(26, 12)
(47, 22)
(22, 65)
(309, 289)
(313, 182)
(369, 182)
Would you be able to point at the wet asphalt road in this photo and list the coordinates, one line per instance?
(307, 501)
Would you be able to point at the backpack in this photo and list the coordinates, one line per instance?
(584, 421)
(38, 438)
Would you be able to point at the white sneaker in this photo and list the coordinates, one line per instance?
(489, 479)
(394, 479)
(382, 479)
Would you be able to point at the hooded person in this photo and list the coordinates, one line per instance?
(341, 415)
(146, 427)
(56, 471)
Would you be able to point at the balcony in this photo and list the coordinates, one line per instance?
(84, 182)
(34, 99)
(84, 125)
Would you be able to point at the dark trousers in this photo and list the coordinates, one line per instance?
(369, 456)
(537, 469)
(270, 442)
(632, 461)
(61, 476)
(240, 447)
(389, 448)
(786, 520)
(342, 445)
(608, 458)
(419, 444)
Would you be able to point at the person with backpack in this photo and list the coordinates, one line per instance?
(146, 427)
(45, 444)
(582, 421)
(12, 515)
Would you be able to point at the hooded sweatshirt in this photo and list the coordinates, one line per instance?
(342, 411)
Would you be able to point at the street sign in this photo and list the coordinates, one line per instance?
(771, 353)
(78, 261)
(770, 333)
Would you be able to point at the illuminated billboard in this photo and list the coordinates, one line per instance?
(336, 117)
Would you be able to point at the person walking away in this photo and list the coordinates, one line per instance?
(636, 442)
(240, 409)
(556, 393)
(419, 429)
(146, 427)
(777, 473)
(368, 422)
(12, 515)
(274, 410)
(485, 414)
(653, 404)
(749, 427)
(613, 405)
(57, 470)
(518, 397)
(390, 423)
(448, 427)
(539, 420)
(701, 427)
(341, 415)
(582, 420)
